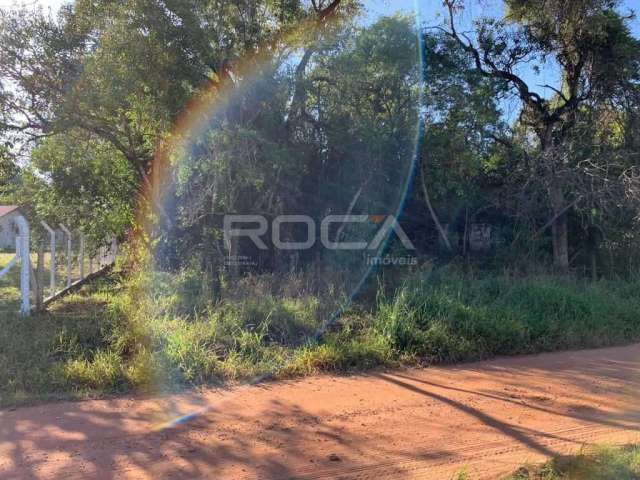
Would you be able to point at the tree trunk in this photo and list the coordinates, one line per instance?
(593, 252)
(559, 230)
(559, 209)
(432, 212)
(465, 234)
(594, 264)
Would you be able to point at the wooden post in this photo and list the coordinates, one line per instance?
(114, 249)
(52, 261)
(39, 293)
(81, 260)
(25, 264)
(68, 234)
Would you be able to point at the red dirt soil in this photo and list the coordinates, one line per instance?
(487, 417)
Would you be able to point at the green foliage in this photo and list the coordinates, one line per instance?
(108, 80)
(464, 119)
(151, 334)
(309, 122)
(450, 317)
(463, 475)
(311, 116)
(88, 185)
(8, 176)
(38, 352)
(284, 143)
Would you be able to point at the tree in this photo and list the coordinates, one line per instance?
(87, 185)
(346, 146)
(463, 123)
(597, 57)
(125, 71)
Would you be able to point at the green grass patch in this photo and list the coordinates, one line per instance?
(451, 318)
(599, 463)
(9, 286)
(160, 332)
(37, 351)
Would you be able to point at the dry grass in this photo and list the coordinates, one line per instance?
(165, 332)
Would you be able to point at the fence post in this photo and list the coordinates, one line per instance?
(81, 260)
(52, 262)
(68, 234)
(114, 249)
(39, 293)
(25, 264)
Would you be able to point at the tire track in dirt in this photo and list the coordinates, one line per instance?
(487, 417)
(467, 455)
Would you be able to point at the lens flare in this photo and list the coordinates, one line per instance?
(310, 143)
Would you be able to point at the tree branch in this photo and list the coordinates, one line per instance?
(432, 212)
(532, 99)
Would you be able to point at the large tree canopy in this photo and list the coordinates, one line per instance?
(598, 60)
(320, 115)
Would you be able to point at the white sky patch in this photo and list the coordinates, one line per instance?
(54, 5)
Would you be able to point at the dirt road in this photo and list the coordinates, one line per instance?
(487, 417)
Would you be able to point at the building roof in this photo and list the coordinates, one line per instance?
(7, 209)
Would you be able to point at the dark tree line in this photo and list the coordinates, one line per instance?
(318, 114)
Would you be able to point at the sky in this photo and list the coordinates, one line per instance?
(53, 4)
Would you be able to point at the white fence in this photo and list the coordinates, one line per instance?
(80, 264)
(22, 255)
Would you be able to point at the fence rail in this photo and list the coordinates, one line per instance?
(74, 273)
(22, 255)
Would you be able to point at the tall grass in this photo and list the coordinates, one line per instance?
(164, 332)
(451, 317)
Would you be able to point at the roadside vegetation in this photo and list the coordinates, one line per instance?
(157, 333)
(154, 121)
(598, 463)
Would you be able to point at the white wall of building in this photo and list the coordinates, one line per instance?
(8, 232)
